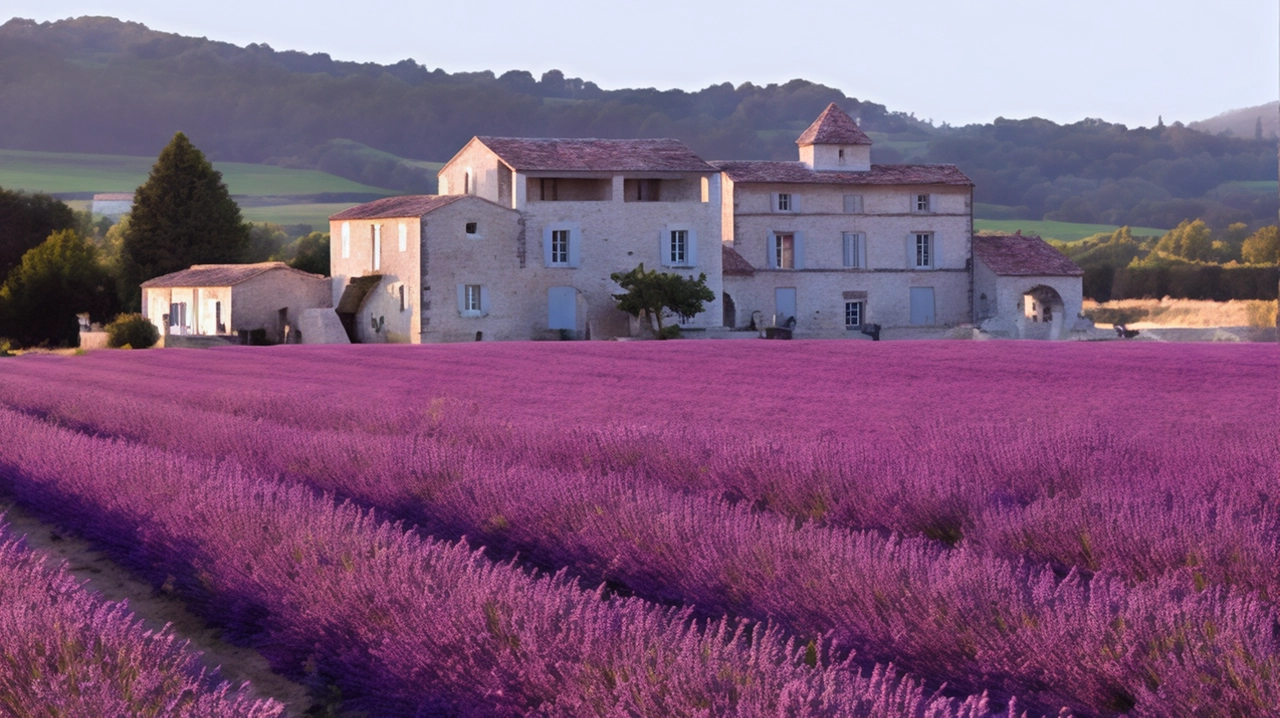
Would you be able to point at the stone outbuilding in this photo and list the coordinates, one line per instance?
(1023, 288)
(248, 302)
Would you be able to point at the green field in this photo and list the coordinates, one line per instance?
(316, 215)
(1264, 186)
(1061, 231)
(57, 172)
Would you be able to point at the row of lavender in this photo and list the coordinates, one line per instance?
(69, 653)
(410, 626)
(948, 614)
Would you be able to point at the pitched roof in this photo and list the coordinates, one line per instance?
(220, 275)
(114, 197)
(591, 155)
(734, 263)
(413, 205)
(833, 127)
(1016, 255)
(799, 173)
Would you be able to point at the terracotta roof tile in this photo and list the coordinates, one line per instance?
(833, 127)
(414, 205)
(1016, 255)
(591, 155)
(219, 275)
(799, 173)
(735, 264)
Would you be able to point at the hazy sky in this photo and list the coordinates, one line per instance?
(956, 61)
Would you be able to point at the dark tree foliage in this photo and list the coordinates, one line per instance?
(655, 294)
(57, 280)
(132, 330)
(182, 215)
(309, 253)
(26, 220)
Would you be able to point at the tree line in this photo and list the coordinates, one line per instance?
(121, 88)
(58, 263)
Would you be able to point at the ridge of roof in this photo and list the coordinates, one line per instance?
(800, 173)
(833, 127)
(412, 205)
(219, 275)
(595, 155)
(1023, 255)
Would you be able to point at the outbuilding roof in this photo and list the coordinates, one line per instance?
(113, 197)
(833, 127)
(799, 173)
(593, 155)
(413, 205)
(220, 275)
(1018, 255)
(733, 263)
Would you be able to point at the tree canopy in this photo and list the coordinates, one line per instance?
(26, 220)
(655, 294)
(58, 279)
(182, 215)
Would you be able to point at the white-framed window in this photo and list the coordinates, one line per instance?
(471, 298)
(853, 314)
(923, 203)
(854, 250)
(346, 240)
(922, 250)
(679, 247)
(784, 202)
(853, 204)
(377, 247)
(404, 237)
(560, 239)
(784, 251)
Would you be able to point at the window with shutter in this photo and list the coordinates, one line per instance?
(471, 298)
(783, 251)
(560, 247)
(853, 204)
(784, 202)
(678, 248)
(923, 250)
(922, 203)
(852, 250)
(346, 240)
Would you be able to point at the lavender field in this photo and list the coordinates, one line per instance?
(692, 528)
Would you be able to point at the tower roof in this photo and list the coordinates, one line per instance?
(833, 127)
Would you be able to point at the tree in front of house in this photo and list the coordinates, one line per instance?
(182, 215)
(658, 295)
(54, 282)
(1263, 246)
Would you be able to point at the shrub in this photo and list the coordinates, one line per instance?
(671, 331)
(132, 330)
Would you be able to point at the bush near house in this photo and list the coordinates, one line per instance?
(132, 330)
(656, 294)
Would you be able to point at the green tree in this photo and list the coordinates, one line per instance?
(57, 280)
(309, 253)
(265, 241)
(182, 215)
(1192, 241)
(26, 220)
(655, 294)
(1263, 246)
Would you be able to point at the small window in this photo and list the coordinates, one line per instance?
(472, 229)
(471, 298)
(404, 237)
(923, 250)
(679, 247)
(853, 204)
(922, 203)
(560, 247)
(842, 154)
(784, 251)
(853, 250)
(346, 240)
(853, 315)
(377, 247)
(466, 182)
(402, 302)
(784, 203)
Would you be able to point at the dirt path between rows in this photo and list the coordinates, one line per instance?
(114, 583)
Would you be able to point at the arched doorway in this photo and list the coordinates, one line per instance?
(730, 311)
(1042, 313)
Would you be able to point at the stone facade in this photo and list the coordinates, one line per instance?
(1025, 289)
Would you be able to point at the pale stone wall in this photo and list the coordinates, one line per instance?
(1002, 312)
(857, 158)
(398, 268)
(157, 300)
(483, 165)
(256, 303)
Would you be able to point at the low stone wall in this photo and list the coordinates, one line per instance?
(93, 340)
(177, 341)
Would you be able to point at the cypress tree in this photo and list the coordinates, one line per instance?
(182, 215)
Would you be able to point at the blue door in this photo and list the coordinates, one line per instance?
(922, 306)
(562, 305)
(784, 299)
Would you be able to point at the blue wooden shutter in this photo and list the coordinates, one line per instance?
(862, 250)
(484, 300)
(664, 247)
(850, 249)
(462, 298)
(546, 247)
(935, 247)
(771, 249)
(691, 248)
(799, 250)
(795, 203)
(773, 202)
(575, 246)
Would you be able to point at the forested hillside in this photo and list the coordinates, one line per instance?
(99, 85)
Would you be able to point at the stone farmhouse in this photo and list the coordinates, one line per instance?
(522, 239)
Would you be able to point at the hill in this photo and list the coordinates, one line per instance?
(102, 86)
(1244, 122)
